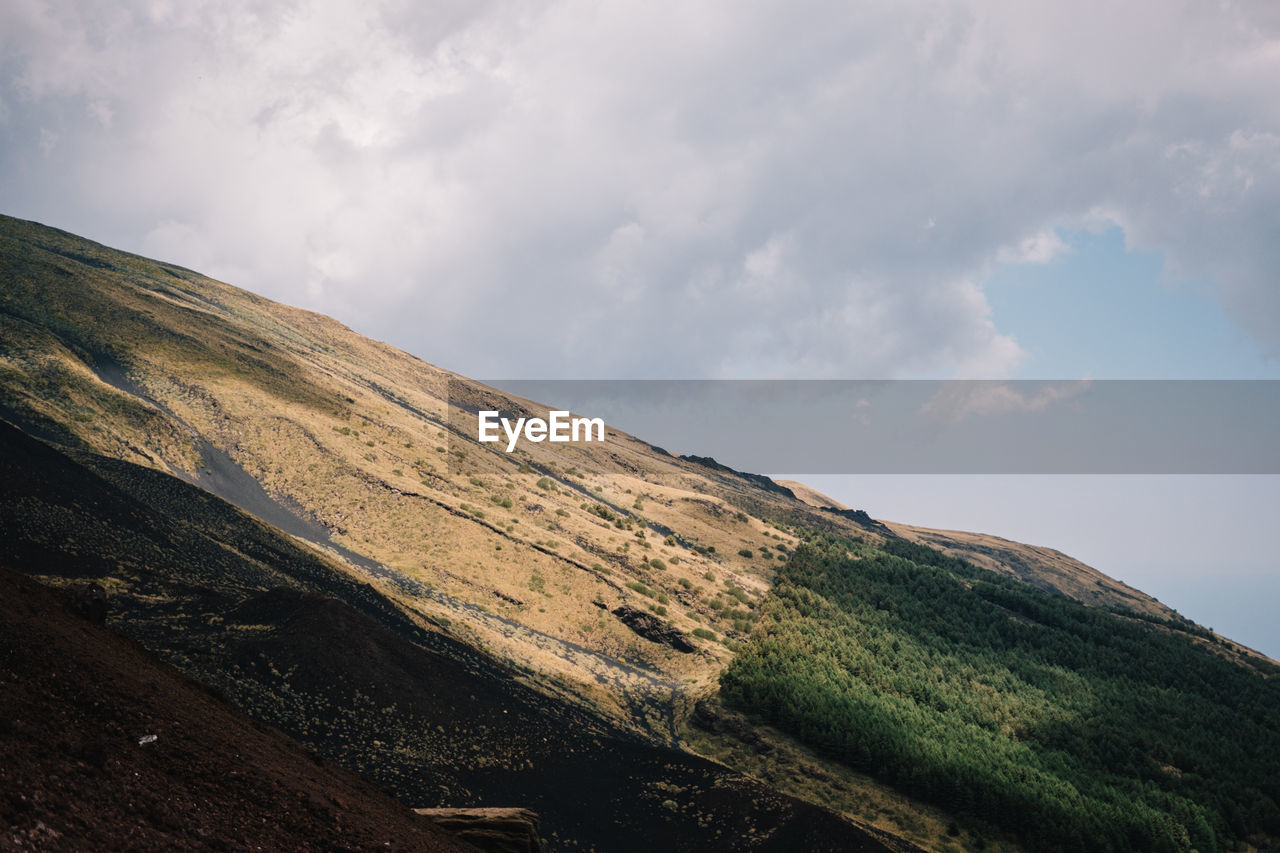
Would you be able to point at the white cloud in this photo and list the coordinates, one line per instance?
(958, 401)
(1037, 249)
(629, 189)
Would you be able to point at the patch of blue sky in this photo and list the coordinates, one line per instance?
(1100, 310)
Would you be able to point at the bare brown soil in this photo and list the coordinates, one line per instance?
(78, 700)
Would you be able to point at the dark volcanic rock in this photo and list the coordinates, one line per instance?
(80, 772)
(90, 601)
(652, 628)
(493, 830)
(760, 480)
(860, 516)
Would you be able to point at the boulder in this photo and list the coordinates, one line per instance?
(652, 628)
(494, 830)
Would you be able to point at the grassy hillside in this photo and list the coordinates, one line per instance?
(237, 446)
(289, 637)
(1025, 712)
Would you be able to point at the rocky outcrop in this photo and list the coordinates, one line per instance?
(652, 628)
(766, 483)
(860, 517)
(494, 830)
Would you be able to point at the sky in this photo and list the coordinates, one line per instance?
(806, 190)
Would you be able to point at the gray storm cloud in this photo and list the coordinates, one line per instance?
(643, 189)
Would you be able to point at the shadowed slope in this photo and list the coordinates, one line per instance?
(77, 701)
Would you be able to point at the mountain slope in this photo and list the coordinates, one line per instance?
(293, 640)
(594, 590)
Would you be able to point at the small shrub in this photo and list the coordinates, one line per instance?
(602, 511)
(704, 634)
(658, 564)
(746, 552)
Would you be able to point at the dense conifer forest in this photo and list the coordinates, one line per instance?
(1024, 712)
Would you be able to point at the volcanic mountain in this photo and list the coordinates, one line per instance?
(651, 651)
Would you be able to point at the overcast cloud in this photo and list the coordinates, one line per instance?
(617, 189)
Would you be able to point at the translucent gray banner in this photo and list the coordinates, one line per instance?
(927, 426)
